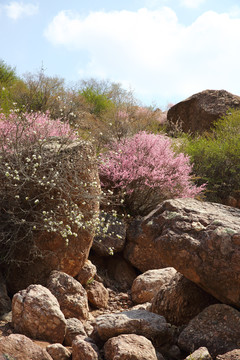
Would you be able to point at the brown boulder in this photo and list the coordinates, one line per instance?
(147, 285)
(97, 294)
(87, 273)
(36, 313)
(129, 347)
(84, 348)
(140, 322)
(200, 354)
(56, 254)
(58, 352)
(71, 295)
(140, 249)
(74, 327)
(230, 355)
(198, 112)
(217, 328)
(180, 300)
(200, 240)
(20, 347)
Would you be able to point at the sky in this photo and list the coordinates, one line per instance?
(163, 50)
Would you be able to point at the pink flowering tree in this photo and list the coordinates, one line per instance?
(29, 128)
(145, 170)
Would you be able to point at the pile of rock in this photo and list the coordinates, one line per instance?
(186, 299)
(59, 324)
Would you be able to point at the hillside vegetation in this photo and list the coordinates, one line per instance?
(113, 120)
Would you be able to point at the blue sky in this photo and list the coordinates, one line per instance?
(165, 50)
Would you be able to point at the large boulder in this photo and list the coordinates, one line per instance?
(58, 352)
(200, 354)
(230, 355)
(71, 295)
(55, 252)
(198, 112)
(129, 347)
(83, 348)
(36, 313)
(20, 347)
(147, 285)
(140, 249)
(217, 328)
(97, 294)
(139, 322)
(87, 273)
(74, 327)
(201, 240)
(180, 300)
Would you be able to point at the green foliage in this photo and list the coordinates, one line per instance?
(8, 79)
(7, 74)
(98, 101)
(113, 91)
(216, 157)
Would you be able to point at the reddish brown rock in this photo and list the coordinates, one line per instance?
(198, 112)
(36, 313)
(56, 254)
(200, 240)
(97, 294)
(217, 328)
(20, 347)
(180, 300)
(147, 285)
(129, 347)
(140, 249)
(231, 355)
(200, 354)
(71, 295)
(87, 273)
(74, 327)
(140, 322)
(84, 349)
(58, 352)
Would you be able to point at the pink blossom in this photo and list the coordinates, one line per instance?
(147, 161)
(31, 127)
(122, 114)
(143, 112)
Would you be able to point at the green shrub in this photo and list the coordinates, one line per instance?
(216, 157)
(8, 80)
(99, 103)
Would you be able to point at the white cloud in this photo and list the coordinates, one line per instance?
(235, 11)
(192, 3)
(16, 9)
(152, 51)
(154, 3)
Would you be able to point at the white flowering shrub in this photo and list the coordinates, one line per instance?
(44, 184)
